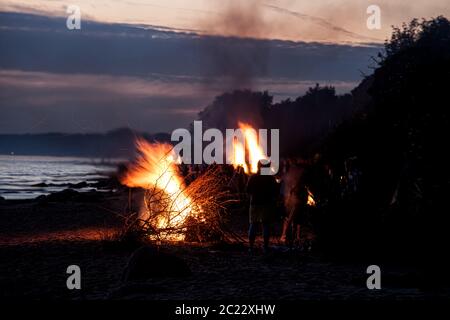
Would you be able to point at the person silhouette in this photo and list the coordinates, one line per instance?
(263, 191)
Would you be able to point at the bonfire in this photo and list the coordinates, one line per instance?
(253, 148)
(171, 209)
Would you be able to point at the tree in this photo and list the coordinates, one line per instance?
(401, 142)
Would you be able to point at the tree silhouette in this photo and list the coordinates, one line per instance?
(400, 141)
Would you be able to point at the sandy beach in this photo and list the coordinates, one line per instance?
(39, 239)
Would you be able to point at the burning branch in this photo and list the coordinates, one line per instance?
(164, 219)
(172, 210)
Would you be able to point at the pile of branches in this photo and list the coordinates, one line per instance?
(202, 219)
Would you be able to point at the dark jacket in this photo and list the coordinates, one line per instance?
(262, 189)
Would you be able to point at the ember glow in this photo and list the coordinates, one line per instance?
(156, 169)
(310, 202)
(250, 147)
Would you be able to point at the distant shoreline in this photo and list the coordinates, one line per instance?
(113, 144)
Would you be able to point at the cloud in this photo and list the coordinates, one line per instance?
(339, 32)
(37, 43)
(43, 102)
(113, 75)
(321, 20)
(92, 103)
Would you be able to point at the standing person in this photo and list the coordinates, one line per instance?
(291, 181)
(295, 205)
(299, 214)
(263, 191)
(290, 204)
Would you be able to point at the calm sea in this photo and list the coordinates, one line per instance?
(26, 177)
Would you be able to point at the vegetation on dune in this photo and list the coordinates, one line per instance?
(401, 208)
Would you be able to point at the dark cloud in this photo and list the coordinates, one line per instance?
(40, 43)
(109, 75)
(42, 102)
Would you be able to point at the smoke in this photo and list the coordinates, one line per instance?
(238, 19)
(239, 59)
(234, 54)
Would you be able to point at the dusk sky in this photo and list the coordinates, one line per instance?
(153, 65)
(281, 19)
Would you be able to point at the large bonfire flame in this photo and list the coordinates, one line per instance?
(156, 169)
(253, 148)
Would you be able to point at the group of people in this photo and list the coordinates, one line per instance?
(302, 186)
(289, 196)
(265, 194)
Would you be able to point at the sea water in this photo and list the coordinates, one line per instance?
(26, 177)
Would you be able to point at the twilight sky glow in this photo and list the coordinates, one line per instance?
(320, 20)
(153, 65)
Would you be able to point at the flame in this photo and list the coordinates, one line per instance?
(156, 167)
(239, 155)
(252, 147)
(310, 202)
